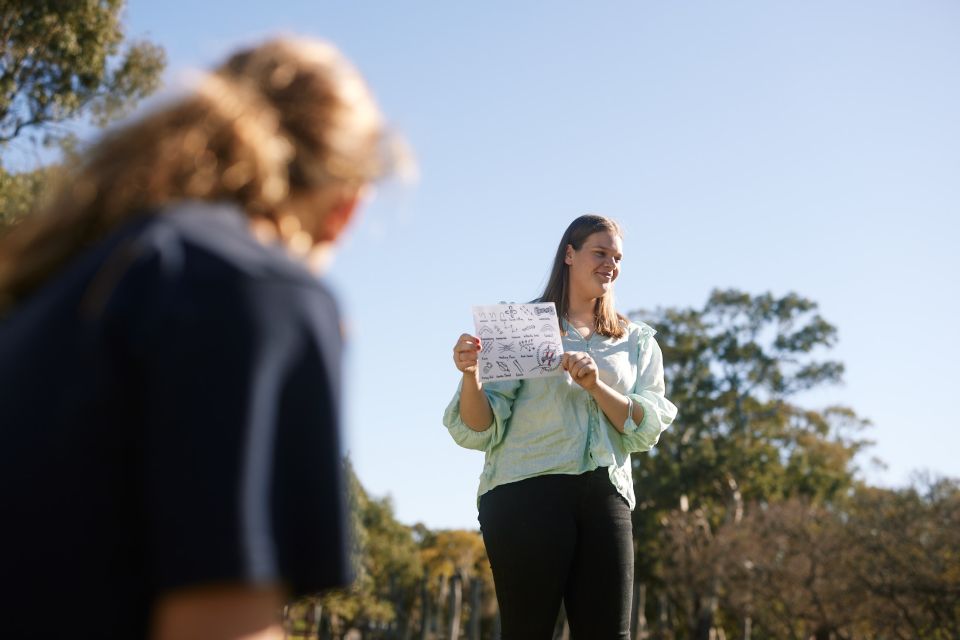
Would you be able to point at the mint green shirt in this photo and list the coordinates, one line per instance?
(552, 425)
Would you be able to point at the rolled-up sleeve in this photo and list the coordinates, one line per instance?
(501, 396)
(648, 392)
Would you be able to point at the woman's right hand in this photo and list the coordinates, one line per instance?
(465, 353)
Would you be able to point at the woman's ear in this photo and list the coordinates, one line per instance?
(568, 259)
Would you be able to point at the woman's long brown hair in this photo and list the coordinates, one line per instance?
(607, 322)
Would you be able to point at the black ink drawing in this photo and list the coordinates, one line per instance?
(510, 314)
(518, 340)
(547, 356)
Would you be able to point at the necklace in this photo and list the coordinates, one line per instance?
(577, 330)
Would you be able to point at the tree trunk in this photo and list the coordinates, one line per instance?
(424, 610)
(708, 608)
(476, 603)
(639, 618)
(314, 616)
(663, 617)
(456, 602)
(441, 611)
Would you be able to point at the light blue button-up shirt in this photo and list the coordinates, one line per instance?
(552, 425)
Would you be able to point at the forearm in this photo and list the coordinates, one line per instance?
(227, 612)
(614, 405)
(474, 405)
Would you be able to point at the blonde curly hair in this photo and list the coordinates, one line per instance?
(275, 121)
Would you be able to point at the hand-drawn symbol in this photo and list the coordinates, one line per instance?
(499, 330)
(486, 346)
(548, 356)
(526, 345)
(544, 311)
(503, 367)
(506, 347)
(519, 368)
(509, 314)
(547, 328)
(487, 366)
(485, 331)
(528, 327)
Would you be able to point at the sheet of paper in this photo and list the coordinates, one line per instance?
(518, 341)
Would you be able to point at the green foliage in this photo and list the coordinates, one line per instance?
(386, 563)
(906, 550)
(404, 578)
(735, 368)
(732, 368)
(60, 61)
(20, 193)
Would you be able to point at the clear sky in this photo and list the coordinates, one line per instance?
(764, 145)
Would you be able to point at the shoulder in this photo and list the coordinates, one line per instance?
(636, 329)
(198, 262)
(198, 238)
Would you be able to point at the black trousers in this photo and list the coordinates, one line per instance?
(560, 537)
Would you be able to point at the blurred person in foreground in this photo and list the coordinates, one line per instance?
(170, 361)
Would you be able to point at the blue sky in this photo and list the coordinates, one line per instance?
(764, 145)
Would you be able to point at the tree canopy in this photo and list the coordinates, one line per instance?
(61, 61)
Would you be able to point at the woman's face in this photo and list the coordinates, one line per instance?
(595, 266)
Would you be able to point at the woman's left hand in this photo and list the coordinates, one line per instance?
(582, 369)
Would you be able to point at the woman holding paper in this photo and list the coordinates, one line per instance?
(556, 490)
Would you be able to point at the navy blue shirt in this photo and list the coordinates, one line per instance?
(169, 410)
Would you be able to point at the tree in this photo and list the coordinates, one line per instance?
(453, 559)
(20, 192)
(63, 62)
(734, 368)
(387, 570)
(788, 570)
(909, 557)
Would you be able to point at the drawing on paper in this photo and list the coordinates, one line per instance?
(519, 341)
(547, 358)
